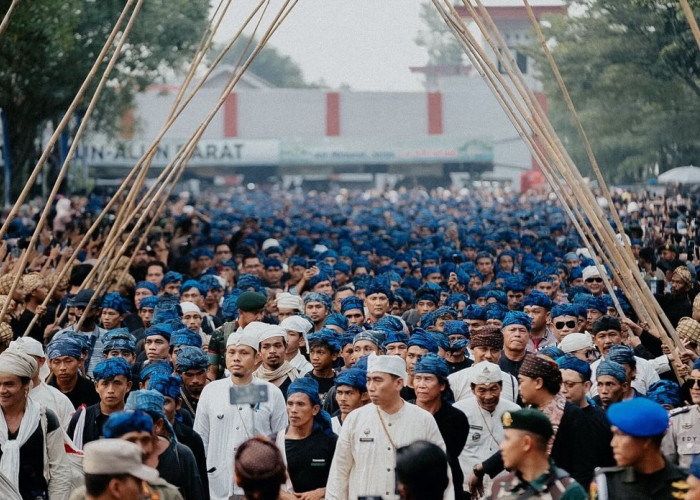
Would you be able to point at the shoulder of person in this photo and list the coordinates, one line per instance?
(680, 411)
(608, 471)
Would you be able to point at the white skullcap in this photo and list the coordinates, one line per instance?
(272, 331)
(289, 301)
(590, 272)
(632, 206)
(29, 346)
(297, 324)
(189, 307)
(583, 252)
(485, 372)
(244, 338)
(270, 242)
(394, 365)
(575, 341)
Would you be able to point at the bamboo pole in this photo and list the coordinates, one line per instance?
(690, 16)
(8, 14)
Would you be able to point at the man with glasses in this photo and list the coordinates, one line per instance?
(593, 281)
(682, 441)
(564, 320)
(580, 346)
(222, 252)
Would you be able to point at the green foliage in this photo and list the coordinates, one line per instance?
(633, 70)
(437, 38)
(50, 45)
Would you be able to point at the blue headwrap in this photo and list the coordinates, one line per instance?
(377, 337)
(150, 301)
(319, 297)
(152, 367)
(246, 281)
(570, 362)
(229, 309)
(349, 303)
(124, 422)
(622, 354)
(191, 358)
(515, 283)
(309, 386)
(607, 367)
(210, 282)
(115, 301)
(474, 312)
(111, 367)
(564, 310)
(496, 311)
(393, 337)
(428, 320)
(148, 286)
(517, 318)
(380, 285)
(455, 299)
(456, 328)
(167, 386)
(537, 298)
(64, 346)
(433, 364)
(389, 323)
(353, 377)
(500, 296)
(165, 330)
(185, 336)
(324, 338)
(319, 278)
(592, 302)
(665, 392)
(146, 400)
(429, 291)
(336, 319)
(551, 351)
(171, 277)
(424, 340)
(119, 339)
(192, 284)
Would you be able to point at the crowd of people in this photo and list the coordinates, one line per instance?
(350, 344)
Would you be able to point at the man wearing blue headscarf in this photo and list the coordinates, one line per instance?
(350, 394)
(516, 336)
(65, 354)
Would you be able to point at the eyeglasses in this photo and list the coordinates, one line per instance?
(561, 324)
(594, 280)
(590, 353)
(694, 382)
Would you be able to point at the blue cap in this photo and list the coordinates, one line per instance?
(191, 358)
(474, 312)
(111, 367)
(165, 330)
(638, 417)
(380, 285)
(622, 354)
(564, 310)
(394, 337)
(146, 400)
(352, 302)
(152, 367)
(187, 285)
(64, 346)
(115, 301)
(389, 323)
(171, 277)
(124, 422)
(309, 386)
(148, 286)
(537, 298)
(424, 340)
(151, 301)
(324, 338)
(336, 319)
(433, 364)
(455, 327)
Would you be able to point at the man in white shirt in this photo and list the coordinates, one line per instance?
(297, 327)
(484, 412)
(365, 456)
(223, 426)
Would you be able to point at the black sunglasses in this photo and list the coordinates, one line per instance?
(561, 324)
(693, 382)
(594, 280)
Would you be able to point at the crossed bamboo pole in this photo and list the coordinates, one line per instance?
(8, 14)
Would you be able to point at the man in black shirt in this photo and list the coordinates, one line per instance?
(324, 347)
(516, 336)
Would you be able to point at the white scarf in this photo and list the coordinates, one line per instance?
(9, 463)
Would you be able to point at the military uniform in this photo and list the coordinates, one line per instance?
(217, 346)
(624, 483)
(555, 484)
(682, 440)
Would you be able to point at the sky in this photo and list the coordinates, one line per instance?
(367, 44)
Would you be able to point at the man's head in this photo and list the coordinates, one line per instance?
(65, 357)
(251, 307)
(251, 264)
(486, 384)
(351, 389)
(540, 379)
(317, 306)
(296, 328)
(486, 344)
(592, 280)
(193, 291)
(420, 344)
(273, 346)
(564, 320)
(288, 305)
(575, 378)
(638, 426)
(611, 379)
(516, 331)
(169, 387)
(354, 310)
(191, 365)
(681, 281)
(112, 381)
(259, 468)
(418, 461)
(134, 426)
(580, 345)
(537, 306)
(607, 332)
(157, 341)
(430, 378)
(527, 433)
(243, 353)
(324, 348)
(385, 376)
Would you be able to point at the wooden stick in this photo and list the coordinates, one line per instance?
(690, 16)
(8, 14)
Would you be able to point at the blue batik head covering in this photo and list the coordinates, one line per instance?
(191, 358)
(474, 312)
(319, 297)
(171, 277)
(161, 366)
(394, 337)
(349, 303)
(153, 403)
(325, 338)
(424, 340)
(185, 336)
(353, 377)
(616, 370)
(167, 386)
(147, 285)
(665, 392)
(124, 422)
(389, 323)
(187, 285)
(433, 364)
(65, 345)
(622, 354)
(537, 298)
(151, 301)
(517, 318)
(309, 386)
(111, 367)
(336, 319)
(570, 362)
(115, 301)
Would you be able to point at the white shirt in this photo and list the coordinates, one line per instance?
(485, 432)
(54, 400)
(300, 363)
(365, 460)
(646, 375)
(336, 424)
(223, 427)
(461, 385)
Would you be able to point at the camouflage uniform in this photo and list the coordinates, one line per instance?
(555, 484)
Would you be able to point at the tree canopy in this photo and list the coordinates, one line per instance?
(437, 38)
(632, 68)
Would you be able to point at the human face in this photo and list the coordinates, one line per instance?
(591, 317)
(610, 390)
(425, 306)
(274, 274)
(192, 295)
(142, 438)
(173, 288)
(677, 285)
(383, 388)
(192, 320)
(529, 388)
(397, 349)
(511, 447)
(146, 315)
(272, 351)
(154, 274)
(586, 354)
(241, 360)
(363, 348)
(252, 265)
(355, 317)
(488, 395)
(515, 337)
(117, 353)
(65, 368)
(545, 287)
(294, 341)
(300, 410)
(316, 311)
(594, 284)
(348, 398)
(247, 317)
(377, 305)
(505, 263)
(573, 387)
(514, 298)
(111, 319)
(694, 379)
(428, 387)
(284, 313)
(485, 353)
(539, 316)
(628, 450)
(485, 266)
(112, 391)
(413, 354)
(157, 347)
(222, 252)
(564, 325)
(323, 287)
(321, 358)
(348, 355)
(194, 381)
(605, 339)
(13, 392)
(434, 278)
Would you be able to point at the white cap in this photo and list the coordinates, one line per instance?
(394, 365)
(632, 206)
(575, 341)
(270, 242)
(583, 252)
(189, 307)
(590, 272)
(29, 346)
(485, 372)
(297, 324)
(244, 338)
(273, 331)
(289, 301)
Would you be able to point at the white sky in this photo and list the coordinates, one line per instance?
(367, 44)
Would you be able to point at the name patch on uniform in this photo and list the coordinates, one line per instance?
(366, 440)
(318, 462)
(477, 427)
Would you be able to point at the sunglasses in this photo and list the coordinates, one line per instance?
(594, 280)
(694, 382)
(561, 324)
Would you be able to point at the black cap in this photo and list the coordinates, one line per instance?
(82, 299)
(251, 301)
(528, 420)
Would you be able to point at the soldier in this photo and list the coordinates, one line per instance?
(682, 441)
(533, 473)
(638, 426)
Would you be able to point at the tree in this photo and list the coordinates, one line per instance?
(50, 45)
(632, 68)
(441, 44)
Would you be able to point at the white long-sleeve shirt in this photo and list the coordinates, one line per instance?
(54, 400)
(365, 460)
(300, 363)
(223, 427)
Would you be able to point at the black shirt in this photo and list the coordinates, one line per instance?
(94, 421)
(188, 437)
(324, 384)
(83, 393)
(600, 436)
(408, 393)
(512, 367)
(178, 466)
(454, 428)
(455, 367)
(309, 460)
